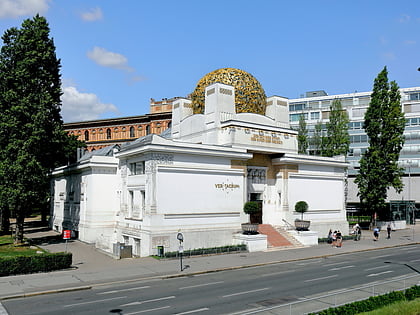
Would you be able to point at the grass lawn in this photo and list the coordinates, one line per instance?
(400, 308)
(7, 248)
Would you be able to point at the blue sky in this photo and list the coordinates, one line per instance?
(116, 55)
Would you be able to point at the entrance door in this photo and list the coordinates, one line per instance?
(256, 217)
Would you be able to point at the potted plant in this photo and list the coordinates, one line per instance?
(250, 207)
(300, 224)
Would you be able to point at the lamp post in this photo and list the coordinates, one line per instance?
(180, 238)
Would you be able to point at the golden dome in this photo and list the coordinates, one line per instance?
(249, 94)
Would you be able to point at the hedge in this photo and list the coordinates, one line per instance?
(373, 303)
(34, 263)
(208, 251)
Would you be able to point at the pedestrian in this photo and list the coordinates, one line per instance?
(358, 233)
(329, 241)
(375, 234)
(388, 230)
(334, 239)
(339, 238)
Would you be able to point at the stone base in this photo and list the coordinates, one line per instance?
(254, 243)
(305, 237)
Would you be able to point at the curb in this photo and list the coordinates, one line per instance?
(23, 295)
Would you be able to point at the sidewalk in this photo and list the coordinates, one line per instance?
(91, 267)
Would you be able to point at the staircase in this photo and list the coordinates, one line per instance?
(277, 238)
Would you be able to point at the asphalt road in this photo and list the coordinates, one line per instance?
(236, 291)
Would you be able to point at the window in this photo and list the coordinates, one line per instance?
(315, 116)
(295, 117)
(414, 96)
(132, 132)
(147, 129)
(137, 168)
(108, 133)
(295, 107)
(86, 135)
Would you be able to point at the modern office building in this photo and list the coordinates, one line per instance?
(315, 106)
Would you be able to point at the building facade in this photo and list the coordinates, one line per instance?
(98, 134)
(315, 106)
(195, 178)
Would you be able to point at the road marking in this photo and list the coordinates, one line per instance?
(339, 268)
(322, 278)
(116, 291)
(149, 310)
(148, 301)
(376, 257)
(201, 285)
(245, 292)
(334, 264)
(276, 273)
(380, 267)
(194, 311)
(97, 301)
(415, 260)
(3, 310)
(378, 274)
(309, 263)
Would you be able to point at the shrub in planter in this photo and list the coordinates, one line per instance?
(300, 224)
(251, 207)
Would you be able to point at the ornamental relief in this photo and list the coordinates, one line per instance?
(158, 159)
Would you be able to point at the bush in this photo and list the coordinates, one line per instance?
(373, 303)
(34, 263)
(208, 251)
(251, 207)
(301, 207)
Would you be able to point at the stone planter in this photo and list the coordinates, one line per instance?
(302, 225)
(249, 228)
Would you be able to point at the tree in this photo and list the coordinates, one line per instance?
(384, 124)
(32, 138)
(337, 140)
(318, 139)
(302, 135)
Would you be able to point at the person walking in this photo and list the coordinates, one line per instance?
(375, 234)
(388, 230)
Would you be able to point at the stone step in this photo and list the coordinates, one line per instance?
(274, 238)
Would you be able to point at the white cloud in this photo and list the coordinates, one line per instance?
(410, 42)
(109, 59)
(16, 8)
(94, 14)
(78, 106)
(404, 18)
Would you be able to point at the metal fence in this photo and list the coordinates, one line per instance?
(338, 298)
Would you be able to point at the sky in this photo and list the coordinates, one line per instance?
(117, 55)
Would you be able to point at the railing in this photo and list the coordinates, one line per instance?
(288, 225)
(340, 297)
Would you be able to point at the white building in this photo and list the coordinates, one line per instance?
(196, 178)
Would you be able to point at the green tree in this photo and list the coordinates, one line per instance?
(318, 139)
(384, 124)
(337, 140)
(302, 135)
(32, 138)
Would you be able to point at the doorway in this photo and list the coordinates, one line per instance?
(256, 217)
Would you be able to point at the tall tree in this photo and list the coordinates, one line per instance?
(302, 135)
(337, 140)
(318, 139)
(32, 138)
(384, 124)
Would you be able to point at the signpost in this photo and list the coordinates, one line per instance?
(180, 238)
(66, 236)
